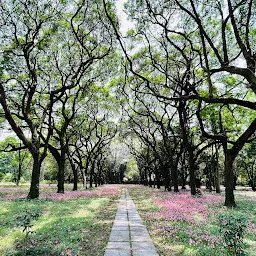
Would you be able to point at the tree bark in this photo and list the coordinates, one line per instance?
(75, 174)
(75, 179)
(167, 179)
(34, 186)
(229, 180)
(175, 179)
(19, 169)
(192, 174)
(158, 180)
(61, 174)
(146, 176)
(217, 172)
(150, 179)
(91, 175)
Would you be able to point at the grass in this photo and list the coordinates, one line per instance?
(79, 223)
(183, 225)
(76, 223)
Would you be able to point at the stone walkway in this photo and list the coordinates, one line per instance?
(129, 237)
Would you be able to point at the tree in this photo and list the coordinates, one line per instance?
(25, 33)
(36, 69)
(192, 40)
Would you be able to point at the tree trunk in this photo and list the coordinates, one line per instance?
(75, 179)
(34, 186)
(183, 172)
(192, 174)
(217, 172)
(167, 179)
(19, 169)
(210, 178)
(91, 178)
(175, 179)
(91, 175)
(75, 174)
(96, 180)
(157, 180)
(150, 179)
(100, 175)
(229, 180)
(61, 174)
(142, 178)
(146, 176)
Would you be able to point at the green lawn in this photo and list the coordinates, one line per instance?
(182, 225)
(77, 223)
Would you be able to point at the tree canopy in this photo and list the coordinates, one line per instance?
(178, 90)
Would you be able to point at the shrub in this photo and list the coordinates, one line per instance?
(24, 221)
(8, 177)
(232, 228)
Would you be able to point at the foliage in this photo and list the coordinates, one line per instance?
(6, 163)
(8, 177)
(24, 221)
(232, 227)
(132, 172)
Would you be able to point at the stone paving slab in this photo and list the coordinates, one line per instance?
(147, 245)
(119, 233)
(124, 238)
(120, 228)
(138, 229)
(129, 237)
(145, 238)
(118, 245)
(136, 233)
(144, 253)
(113, 252)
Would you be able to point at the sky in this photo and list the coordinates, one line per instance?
(125, 23)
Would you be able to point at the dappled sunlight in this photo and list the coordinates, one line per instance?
(81, 213)
(7, 242)
(69, 222)
(251, 195)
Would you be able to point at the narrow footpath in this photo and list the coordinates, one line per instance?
(129, 237)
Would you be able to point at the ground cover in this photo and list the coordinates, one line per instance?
(180, 224)
(76, 223)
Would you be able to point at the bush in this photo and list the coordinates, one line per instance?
(24, 221)
(8, 177)
(1, 176)
(232, 228)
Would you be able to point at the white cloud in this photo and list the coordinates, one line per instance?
(125, 24)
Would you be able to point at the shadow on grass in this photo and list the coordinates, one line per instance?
(69, 227)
